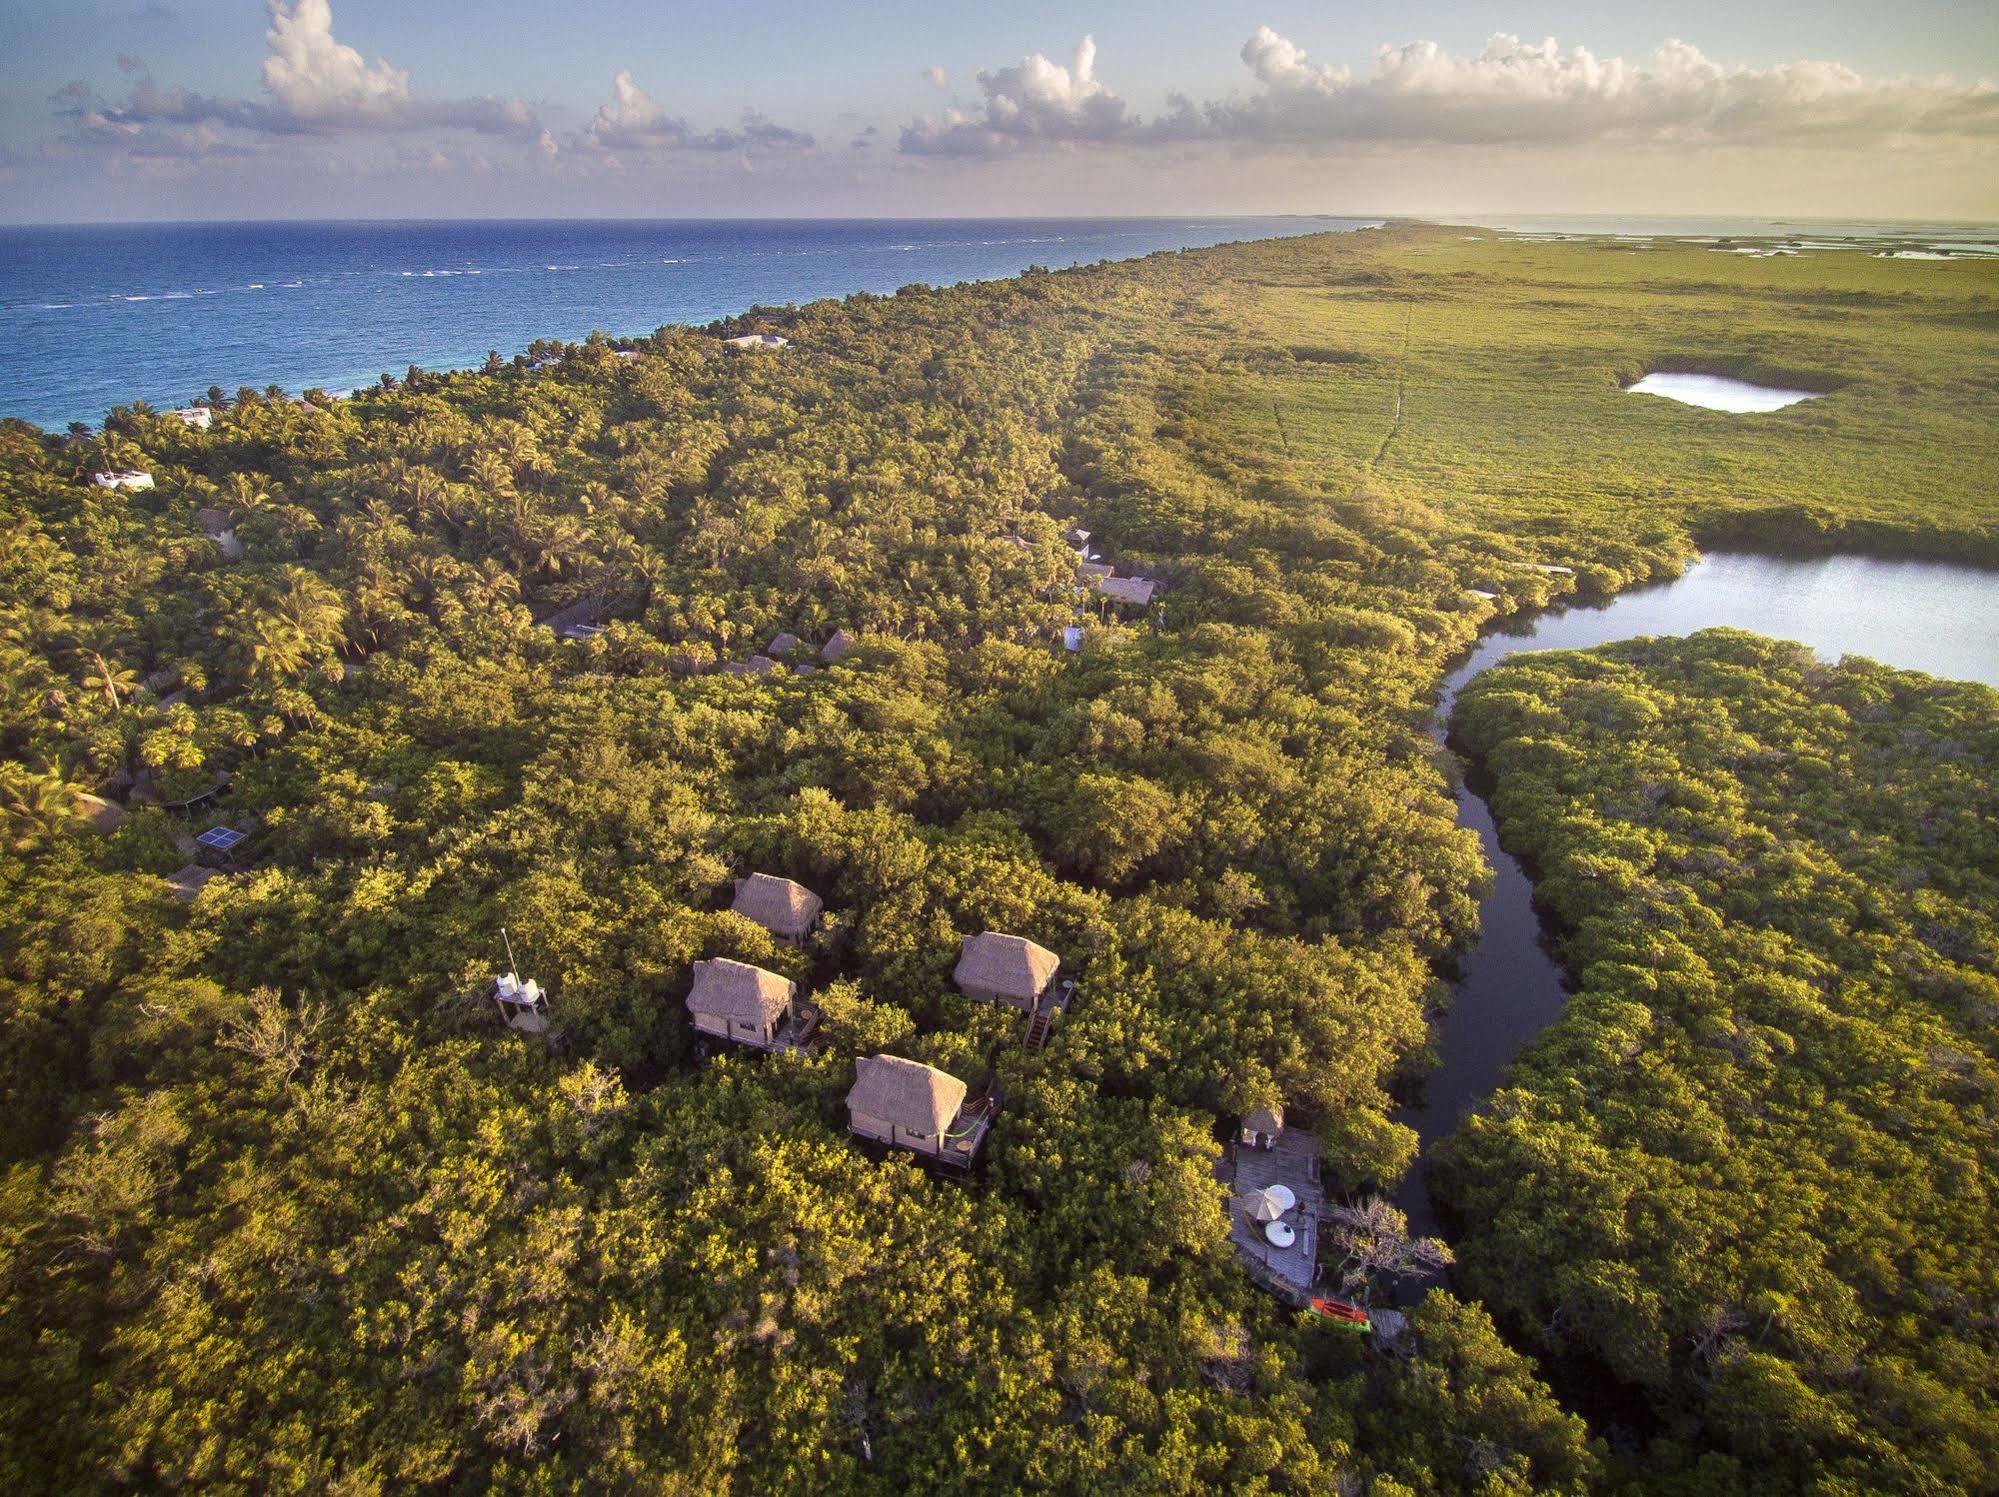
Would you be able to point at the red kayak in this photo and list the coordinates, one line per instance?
(1342, 1312)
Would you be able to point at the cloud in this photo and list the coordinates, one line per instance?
(936, 77)
(632, 120)
(1515, 92)
(1509, 93)
(314, 80)
(1034, 102)
(313, 84)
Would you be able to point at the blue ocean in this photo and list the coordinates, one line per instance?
(98, 316)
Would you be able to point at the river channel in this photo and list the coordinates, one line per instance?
(1916, 615)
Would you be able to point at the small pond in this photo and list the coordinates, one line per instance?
(1927, 616)
(1717, 392)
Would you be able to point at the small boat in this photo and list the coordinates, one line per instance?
(1341, 1313)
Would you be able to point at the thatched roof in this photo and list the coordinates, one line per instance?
(1134, 590)
(188, 881)
(1263, 1119)
(783, 644)
(907, 1093)
(569, 618)
(738, 992)
(777, 904)
(837, 648)
(1011, 966)
(760, 665)
(212, 521)
(1076, 535)
(1095, 569)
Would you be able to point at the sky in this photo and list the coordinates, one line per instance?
(233, 109)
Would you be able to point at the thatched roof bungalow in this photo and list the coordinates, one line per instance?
(735, 1001)
(837, 648)
(786, 909)
(1005, 969)
(914, 1107)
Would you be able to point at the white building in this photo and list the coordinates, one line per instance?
(195, 417)
(756, 341)
(123, 478)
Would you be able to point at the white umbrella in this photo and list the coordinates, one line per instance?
(1282, 1195)
(1264, 1205)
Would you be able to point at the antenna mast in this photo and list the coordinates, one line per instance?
(511, 963)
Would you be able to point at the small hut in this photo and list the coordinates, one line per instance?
(753, 342)
(1005, 969)
(735, 1001)
(577, 621)
(786, 909)
(189, 881)
(1133, 592)
(837, 648)
(782, 644)
(1077, 537)
(194, 417)
(1095, 570)
(912, 1106)
(522, 1005)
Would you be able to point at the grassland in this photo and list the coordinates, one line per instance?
(1511, 356)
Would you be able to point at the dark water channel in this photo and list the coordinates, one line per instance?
(1926, 616)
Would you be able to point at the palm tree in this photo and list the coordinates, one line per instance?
(112, 679)
(497, 583)
(312, 608)
(275, 649)
(36, 806)
(244, 495)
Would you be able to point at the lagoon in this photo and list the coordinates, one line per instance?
(1916, 615)
(1719, 393)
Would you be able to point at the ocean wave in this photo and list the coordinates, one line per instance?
(562, 267)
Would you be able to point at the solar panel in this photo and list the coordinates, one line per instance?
(220, 838)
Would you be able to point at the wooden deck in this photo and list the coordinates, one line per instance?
(1289, 1272)
(968, 1132)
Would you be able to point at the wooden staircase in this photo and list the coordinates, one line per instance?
(1039, 1024)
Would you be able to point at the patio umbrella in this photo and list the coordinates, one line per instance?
(1263, 1205)
(1282, 1195)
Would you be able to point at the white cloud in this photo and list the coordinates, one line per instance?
(936, 77)
(632, 120)
(1511, 92)
(1514, 92)
(312, 76)
(1034, 101)
(313, 83)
